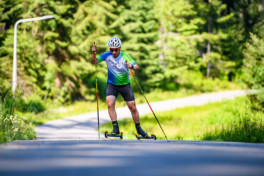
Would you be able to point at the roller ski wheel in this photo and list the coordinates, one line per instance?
(152, 136)
(109, 135)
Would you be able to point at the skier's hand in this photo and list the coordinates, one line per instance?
(93, 58)
(94, 48)
(129, 65)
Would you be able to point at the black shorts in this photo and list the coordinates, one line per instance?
(124, 90)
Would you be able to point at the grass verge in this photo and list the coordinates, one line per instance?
(13, 126)
(231, 120)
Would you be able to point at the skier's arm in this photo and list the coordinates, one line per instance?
(132, 66)
(130, 63)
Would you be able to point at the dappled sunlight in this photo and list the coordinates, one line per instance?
(128, 157)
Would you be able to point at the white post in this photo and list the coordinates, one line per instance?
(14, 82)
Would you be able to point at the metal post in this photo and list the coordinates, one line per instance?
(14, 82)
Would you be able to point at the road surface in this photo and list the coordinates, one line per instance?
(130, 158)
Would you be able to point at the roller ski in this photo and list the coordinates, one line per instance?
(141, 134)
(152, 136)
(115, 133)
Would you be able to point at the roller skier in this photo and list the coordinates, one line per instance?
(118, 64)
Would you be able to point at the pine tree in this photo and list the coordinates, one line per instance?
(213, 33)
(247, 16)
(139, 33)
(177, 38)
(254, 68)
(92, 23)
(193, 34)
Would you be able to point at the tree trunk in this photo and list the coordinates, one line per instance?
(163, 40)
(208, 66)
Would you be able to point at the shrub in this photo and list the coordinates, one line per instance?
(34, 104)
(197, 82)
(12, 126)
(254, 69)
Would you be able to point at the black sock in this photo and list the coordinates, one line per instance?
(115, 123)
(137, 125)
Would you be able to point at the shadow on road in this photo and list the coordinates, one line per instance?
(117, 157)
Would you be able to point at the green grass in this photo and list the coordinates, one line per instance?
(248, 127)
(225, 121)
(12, 125)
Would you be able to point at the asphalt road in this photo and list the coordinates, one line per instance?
(125, 158)
(70, 147)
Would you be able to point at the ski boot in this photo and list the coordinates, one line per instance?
(115, 132)
(141, 134)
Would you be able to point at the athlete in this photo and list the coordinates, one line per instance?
(118, 64)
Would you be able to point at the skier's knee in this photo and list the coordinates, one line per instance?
(111, 105)
(133, 109)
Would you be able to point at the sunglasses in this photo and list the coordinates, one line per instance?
(114, 49)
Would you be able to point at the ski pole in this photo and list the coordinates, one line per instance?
(148, 102)
(97, 94)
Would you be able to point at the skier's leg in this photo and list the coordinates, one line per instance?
(112, 113)
(128, 96)
(115, 128)
(133, 109)
(140, 130)
(111, 107)
(134, 112)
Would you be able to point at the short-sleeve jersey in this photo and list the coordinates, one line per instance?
(118, 73)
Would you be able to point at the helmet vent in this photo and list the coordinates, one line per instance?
(114, 42)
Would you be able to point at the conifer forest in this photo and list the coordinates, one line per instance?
(190, 44)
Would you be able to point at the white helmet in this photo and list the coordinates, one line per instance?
(114, 42)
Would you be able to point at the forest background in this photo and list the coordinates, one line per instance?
(193, 45)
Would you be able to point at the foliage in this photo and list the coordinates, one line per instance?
(139, 32)
(193, 36)
(12, 126)
(166, 39)
(254, 69)
(33, 104)
(247, 127)
(195, 81)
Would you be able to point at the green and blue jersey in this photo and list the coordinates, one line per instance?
(118, 73)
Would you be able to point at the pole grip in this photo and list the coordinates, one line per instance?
(94, 55)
